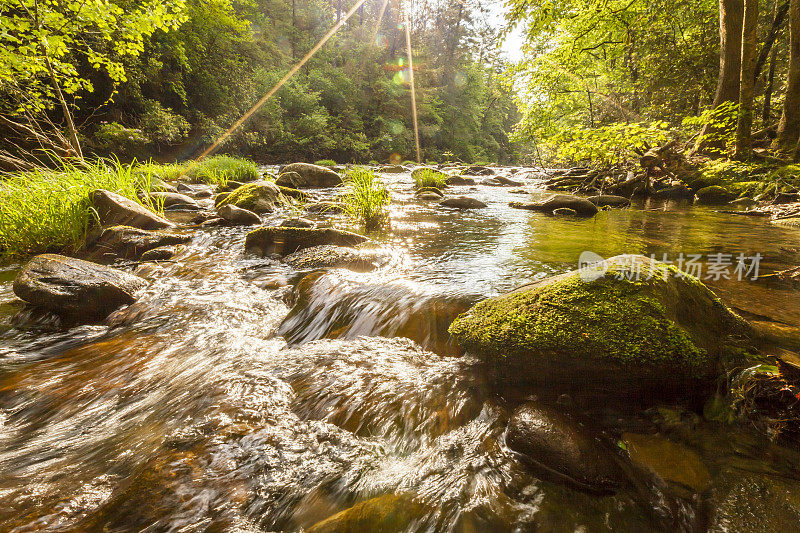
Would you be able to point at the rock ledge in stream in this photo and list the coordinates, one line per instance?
(581, 206)
(125, 242)
(287, 240)
(462, 202)
(115, 210)
(627, 321)
(74, 287)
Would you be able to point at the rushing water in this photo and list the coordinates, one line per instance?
(187, 411)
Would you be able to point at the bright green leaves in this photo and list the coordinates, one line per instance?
(101, 32)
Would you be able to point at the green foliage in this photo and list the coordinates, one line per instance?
(429, 178)
(42, 40)
(365, 197)
(49, 210)
(612, 144)
(113, 136)
(161, 125)
(720, 127)
(325, 163)
(221, 168)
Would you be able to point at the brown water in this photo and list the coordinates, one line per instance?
(187, 412)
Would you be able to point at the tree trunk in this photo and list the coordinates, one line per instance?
(744, 124)
(73, 132)
(789, 126)
(767, 111)
(778, 18)
(731, 13)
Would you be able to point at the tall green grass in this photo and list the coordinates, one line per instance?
(325, 163)
(49, 210)
(429, 178)
(218, 170)
(365, 197)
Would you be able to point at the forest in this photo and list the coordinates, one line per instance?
(370, 266)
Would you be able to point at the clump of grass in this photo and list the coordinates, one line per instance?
(326, 163)
(429, 178)
(365, 197)
(167, 172)
(49, 210)
(218, 170)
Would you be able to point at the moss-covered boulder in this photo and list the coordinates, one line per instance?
(258, 197)
(628, 319)
(287, 240)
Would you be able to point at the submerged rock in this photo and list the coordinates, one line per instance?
(429, 195)
(478, 170)
(238, 216)
(258, 197)
(286, 240)
(308, 176)
(582, 206)
(114, 210)
(389, 513)
(392, 169)
(125, 242)
(627, 321)
(329, 256)
(669, 462)
(561, 451)
(463, 202)
(297, 222)
(610, 200)
(75, 287)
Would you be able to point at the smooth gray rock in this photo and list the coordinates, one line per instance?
(284, 241)
(71, 286)
(125, 242)
(238, 216)
(114, 210)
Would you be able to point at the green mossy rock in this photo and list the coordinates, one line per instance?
(385, 514)
(606, 326)
(258, 197)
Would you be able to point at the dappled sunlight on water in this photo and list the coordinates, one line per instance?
(212, 404)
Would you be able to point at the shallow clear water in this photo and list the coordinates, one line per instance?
(187, 412)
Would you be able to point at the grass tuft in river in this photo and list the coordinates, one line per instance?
(365, 197)
(49, 210)
(218, 170)
(429, 178)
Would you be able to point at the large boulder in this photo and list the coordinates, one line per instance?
(582, 206)
(258, 197)
(308, 176)
(238, 216)
(74, 287)
(115, 210)
(460, 180)
(125, 242)
(462, 202)
(560, 450)
(626, 321)
(287, 240)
